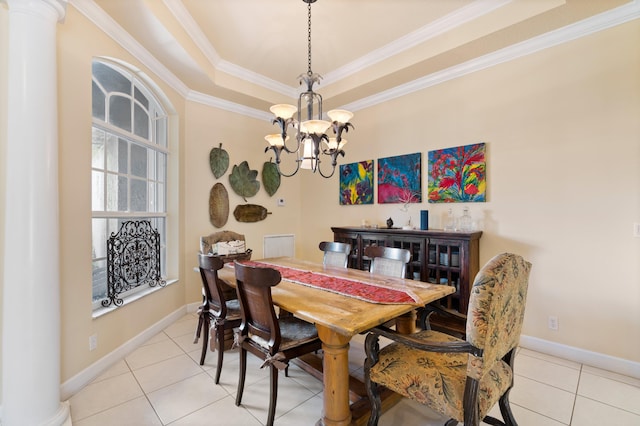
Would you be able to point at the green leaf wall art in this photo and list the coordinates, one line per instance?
(243, 180)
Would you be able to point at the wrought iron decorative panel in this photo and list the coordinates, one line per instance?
(133, 259)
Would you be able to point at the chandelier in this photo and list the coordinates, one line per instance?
(312, 144)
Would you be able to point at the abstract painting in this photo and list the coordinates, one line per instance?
(356, 183)
(399, 179)
(458, 174)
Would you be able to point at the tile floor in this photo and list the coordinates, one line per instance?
(161, 383)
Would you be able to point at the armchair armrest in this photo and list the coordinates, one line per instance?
(436, 308)
(371, 343)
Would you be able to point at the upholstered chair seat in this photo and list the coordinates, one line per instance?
(439, 379)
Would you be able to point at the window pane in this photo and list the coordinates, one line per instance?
(112, 152)
(112, 192)
(111, 80)
(120, 112)
(99, 238)
(123, 194)
(123, 156)
(152, 197)
(151, 164)
(97, 102)
(97, 190)
(97, 148)
(140, 97)
(162, 167)
(138, 161)
(141, 122)
(113, 225)
(99, 274)
(160, 200)
(138, 195)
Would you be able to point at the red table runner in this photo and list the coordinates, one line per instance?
(349, 287)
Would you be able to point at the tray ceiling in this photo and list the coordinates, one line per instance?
(250, 52)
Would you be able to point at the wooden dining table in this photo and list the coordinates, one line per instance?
(338, 317)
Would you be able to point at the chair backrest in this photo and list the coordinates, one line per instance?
(259, 320)
(496, 309)
(209, 267)
(390, 261)
(335, 254)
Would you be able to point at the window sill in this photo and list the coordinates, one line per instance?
(98, 312)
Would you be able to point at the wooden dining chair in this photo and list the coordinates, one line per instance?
(274, 340)
(220, 310)
(335, 253)
(461, 379)
(390, 261)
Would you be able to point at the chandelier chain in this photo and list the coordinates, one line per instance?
(309, 72)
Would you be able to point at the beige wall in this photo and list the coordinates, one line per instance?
(78, 42)
(563, 157)
(243, 139)
(562, 130)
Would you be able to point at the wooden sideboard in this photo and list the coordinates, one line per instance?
(447, 258)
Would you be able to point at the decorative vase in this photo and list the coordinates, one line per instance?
(389, 223)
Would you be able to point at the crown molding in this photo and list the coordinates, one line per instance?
(191, 27)
(434, 29)
(228, 105)
(571, 32)
(110, 27)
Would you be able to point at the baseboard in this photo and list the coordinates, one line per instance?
(86, 376)
(593, 359)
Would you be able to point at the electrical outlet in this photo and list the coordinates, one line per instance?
(553, 323)
(636, 230)
(93, 342)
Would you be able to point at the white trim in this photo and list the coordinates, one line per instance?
(582, 356)
(433, 29)
(228, 106)
(86, 376)
(571, 32)
(110, 27)
(128, 297)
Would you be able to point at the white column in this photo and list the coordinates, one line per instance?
(31, 298)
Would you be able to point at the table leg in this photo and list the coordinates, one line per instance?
(406, 323)
(335, 378)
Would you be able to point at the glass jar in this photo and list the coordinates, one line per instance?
(450, 221)
(465, 222)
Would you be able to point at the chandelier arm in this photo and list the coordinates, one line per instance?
(288, 175)
(333, 169)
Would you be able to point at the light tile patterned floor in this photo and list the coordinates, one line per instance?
(161, 383)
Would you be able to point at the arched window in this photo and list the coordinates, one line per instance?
(129, 162)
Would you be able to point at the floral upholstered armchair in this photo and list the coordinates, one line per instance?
(461, 379)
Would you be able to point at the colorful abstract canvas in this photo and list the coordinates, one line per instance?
(399, 179)
(458, 175)
(356, 183)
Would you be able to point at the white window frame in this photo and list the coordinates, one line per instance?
(157, 142)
